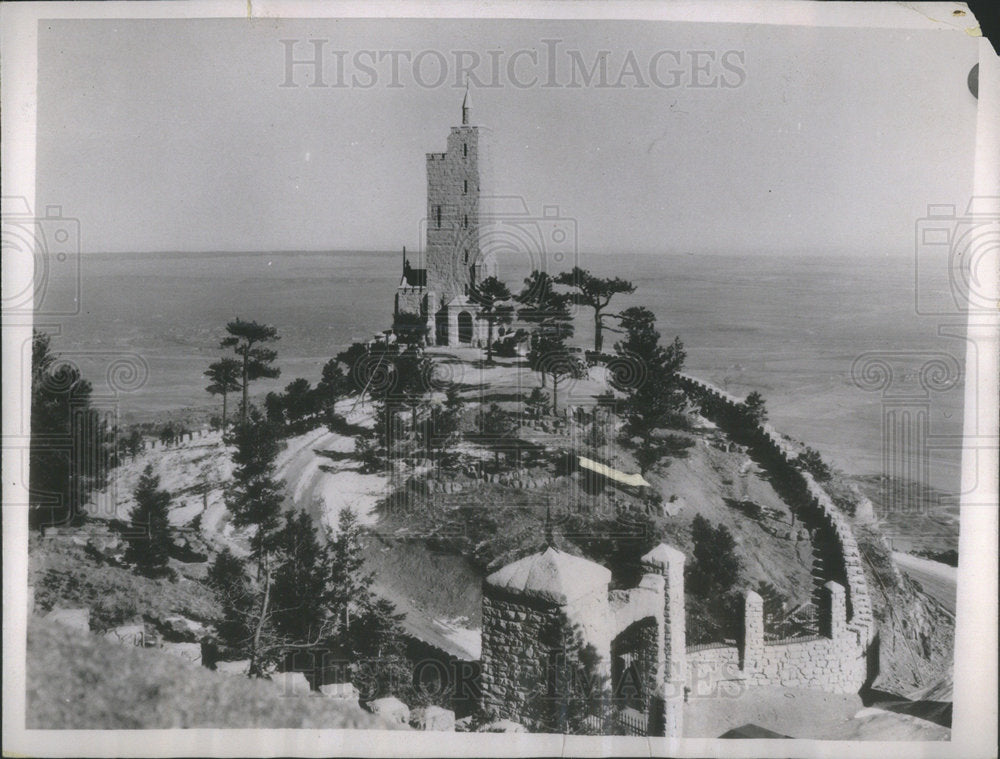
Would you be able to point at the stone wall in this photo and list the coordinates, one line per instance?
(834, 661)
(842, 559)
(521, 633)
(520, 638)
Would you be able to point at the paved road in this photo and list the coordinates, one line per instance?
(938, 580)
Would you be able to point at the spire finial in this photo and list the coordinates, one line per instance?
(550, 540)
(466, 104)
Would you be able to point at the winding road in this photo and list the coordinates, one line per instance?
(939, 581)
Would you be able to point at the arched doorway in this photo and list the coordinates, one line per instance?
(465, 327)
(441, 327)
(633, 665)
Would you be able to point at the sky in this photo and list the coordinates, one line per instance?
(178, 135)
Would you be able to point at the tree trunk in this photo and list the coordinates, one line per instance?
(256, 669)
(489, 341)
(224, 396)
(598, 337)
(555, 395)
(246, 363)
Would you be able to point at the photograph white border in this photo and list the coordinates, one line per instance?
(974, 730)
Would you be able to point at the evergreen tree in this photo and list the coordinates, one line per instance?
(491, 295)
(149, 542)
(444, 424)
(70, 450)
(715, 568)
(496, 427)
(368, 629)
(649, 374)
(300, 590)
(544, 308)
(349, 588)
(553, 358)
(274, 409)
(228, 577)
(333, 384)
(255, 498)
(247, 340)
(755, 408)
(411, 373)
(300, 402)
(536, 405)
(596, 293)
(225, 378)
(255, 495)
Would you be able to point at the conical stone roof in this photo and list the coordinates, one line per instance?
(552, 576)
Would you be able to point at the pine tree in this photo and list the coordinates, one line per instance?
(491, 294)
(349, 588)
(69, 457)
(247, 339)
(496, 427)
(553, 358)
(300, 592)
(149, 542)
(650, 373)
(755, 408)
(225, 378)
(596, 293)
(228, 577)
(255, 498)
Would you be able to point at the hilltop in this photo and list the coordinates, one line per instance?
(465, 522)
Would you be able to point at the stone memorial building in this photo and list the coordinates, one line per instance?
(433, 297)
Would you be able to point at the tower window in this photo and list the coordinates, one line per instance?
(465, 150)
(465, 185)
(437, 212)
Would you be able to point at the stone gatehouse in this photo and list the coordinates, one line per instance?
(550, 615)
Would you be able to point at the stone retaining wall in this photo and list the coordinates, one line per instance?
(846, 567)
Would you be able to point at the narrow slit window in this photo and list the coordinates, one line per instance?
(465, 150)
(465, 259)
(437, 213)
(465, 221)
(465, 185)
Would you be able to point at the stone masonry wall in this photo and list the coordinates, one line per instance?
(517, 636)
(836, 530)
(837, 660)
(834, 661)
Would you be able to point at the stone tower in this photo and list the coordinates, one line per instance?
(434, 299)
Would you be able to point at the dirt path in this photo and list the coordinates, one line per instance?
(323, 477)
